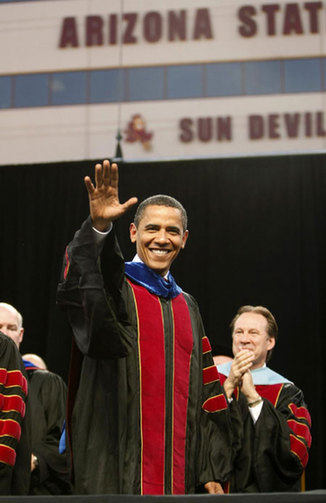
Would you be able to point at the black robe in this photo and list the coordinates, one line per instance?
(106, 424)
(47, 395)
(15, 448)
(275, 449)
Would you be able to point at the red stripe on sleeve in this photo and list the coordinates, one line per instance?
(16, 378)
(206, 345)
(301, 430)
(215, 403)
(12, 403)
(210, 374)
(300, 412)
(299, 449)
(7, 455)
(3, 376)
(10, 428)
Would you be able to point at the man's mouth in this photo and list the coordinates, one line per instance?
(160, 251)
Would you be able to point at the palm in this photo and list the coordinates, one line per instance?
(104, 202)
(103, 197)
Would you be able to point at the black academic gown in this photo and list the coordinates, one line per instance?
(275, 449)
(47, 394)
(105, 424)
(15, 440)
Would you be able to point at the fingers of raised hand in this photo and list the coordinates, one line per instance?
(128, 204)
(103, 173)
(110, 174)
(99, 173)
(89, 185)
(113, 178)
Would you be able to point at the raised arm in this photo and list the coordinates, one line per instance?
(104, 201)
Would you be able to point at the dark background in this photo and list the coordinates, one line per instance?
(257, 235)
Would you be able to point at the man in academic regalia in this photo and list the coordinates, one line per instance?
(15, 444)
(276, 421)
(47, 406)
(146, 412)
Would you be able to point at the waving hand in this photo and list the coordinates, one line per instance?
(103, 197)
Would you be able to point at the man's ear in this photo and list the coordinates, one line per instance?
(21, 334)
(133, 232)
(271, 343)
(184, 238)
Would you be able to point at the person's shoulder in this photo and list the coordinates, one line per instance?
(47, 377)
(190, 299)
(9, 351)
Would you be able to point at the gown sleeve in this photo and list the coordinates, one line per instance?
(282, 440)
(14, 434)
(90, 292)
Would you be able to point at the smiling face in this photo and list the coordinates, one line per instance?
(250, 332)
(159, 237)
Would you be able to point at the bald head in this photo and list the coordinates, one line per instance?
(11, 323)
(36, 360)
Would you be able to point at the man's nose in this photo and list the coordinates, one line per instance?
(244, 339)
(161, 236)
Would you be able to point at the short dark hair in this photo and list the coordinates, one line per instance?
(161, 200)
(272, 328)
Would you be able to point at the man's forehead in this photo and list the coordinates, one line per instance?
(8, 315)
(153, 211)
(251, 320)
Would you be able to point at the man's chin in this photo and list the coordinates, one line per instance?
(158, 268)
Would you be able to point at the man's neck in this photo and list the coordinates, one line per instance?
(138, 259)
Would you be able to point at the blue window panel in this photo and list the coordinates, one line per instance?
(324, 74)
(5, 94)
(263, 77)
(31, 90)
(68, 88)
(106, 86)
(185, 81)
(224, 79)
(145, 84)
(302, 75)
